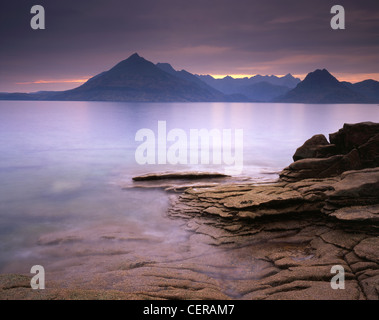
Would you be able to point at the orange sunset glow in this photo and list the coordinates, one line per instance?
(55, 81)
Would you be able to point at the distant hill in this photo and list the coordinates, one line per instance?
(263, 91)
(229, 84)
(320, 86)
(256, 88)
(368, 88)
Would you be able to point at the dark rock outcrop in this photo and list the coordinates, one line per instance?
(315, 147)
(354, 147)
(351, 136)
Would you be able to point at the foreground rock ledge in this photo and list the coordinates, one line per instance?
(352, 196)
(320, 182)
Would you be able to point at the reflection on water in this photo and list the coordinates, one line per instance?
(62, 165)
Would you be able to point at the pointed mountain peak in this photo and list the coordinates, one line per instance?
(135, 56)
(320, 76)
(134, 60)
(321, 72)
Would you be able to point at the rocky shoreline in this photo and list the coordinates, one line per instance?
(325, 205)
(245, 240)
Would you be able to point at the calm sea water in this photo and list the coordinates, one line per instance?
(62, 164)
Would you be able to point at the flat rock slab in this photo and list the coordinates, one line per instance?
(368, 249)
(357, 184)
(263, 196)
(180, 175)
(353, 196)
(358, 213)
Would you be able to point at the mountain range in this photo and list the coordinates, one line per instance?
(137, 79)
(257, 88)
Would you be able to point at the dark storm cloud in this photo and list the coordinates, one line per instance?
(83, 38)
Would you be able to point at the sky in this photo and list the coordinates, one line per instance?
(217, 37)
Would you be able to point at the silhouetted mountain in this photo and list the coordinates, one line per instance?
(320, 86)
(287, 81)
(256, 88)
(17, 96)
(136, 79)
(263, 91)
(368, 88)
(229, 85)
(187, 76)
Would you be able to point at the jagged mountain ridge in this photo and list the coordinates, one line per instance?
(137, 79)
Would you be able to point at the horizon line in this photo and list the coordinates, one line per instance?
(352, 78)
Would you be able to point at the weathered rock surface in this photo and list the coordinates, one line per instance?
(292, 232)
(346, 202)
(352, 196)
(277, 257)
